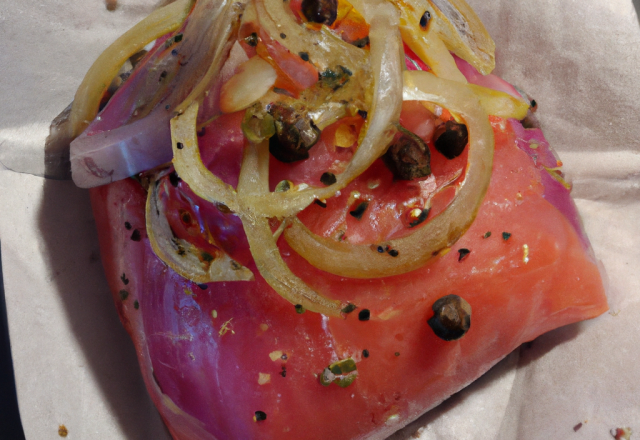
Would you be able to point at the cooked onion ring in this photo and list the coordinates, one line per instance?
(361, 261)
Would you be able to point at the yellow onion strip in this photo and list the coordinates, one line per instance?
(183, 257)
(105, 68)
(254, 179)
(364, 261)
(189, 166)
(325, 49)
(464, 34)
(425, 42)
(493, 102)
(385, 55)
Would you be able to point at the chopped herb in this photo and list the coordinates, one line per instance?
(177, 38)
(203, 286)
(397, 353)
(299, 309)
(364, 315)
(365, 353)
(424, 213)
(304, 56)
(328, 178)
(260, 416)
(506, 236)
(360, 209)
(320, 203)
(349, 308)
(283, 35)
(179, 145)
(343, 367)
(127, 226)
(124, 279)
(487, 234)
(425, 19)
(135, 236)
(345, 381)
(393, 253)
(136, 305)
(334, 79)
(452, 317)
(174, 179)
(363, 114)
(252, 40)
(206, 256)
(362, 42)
(463, 253)
(123, 295)
(284, 186)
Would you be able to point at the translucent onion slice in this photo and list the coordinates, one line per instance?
(183, 257)
(188, 163)
(253, 79)
(327, 49)
(105, 68)
(425, 42)
(464, 34)
(386, 62)
(254, 179)
(364, 261)
(493, 102)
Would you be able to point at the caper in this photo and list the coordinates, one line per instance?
(320, 11)
(451, 139)
(452, 317)
(408, 157)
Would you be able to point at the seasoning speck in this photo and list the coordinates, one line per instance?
(506, 236)
(127, 226)
(283, 35)
(380, 250)
(63, 431)
(365, 353)
(124, 279)
(328, 178)
(463, 253)
(425, 19)
(359, 211)
(487, 234)
(179, 145)
(123, 295)
(174, 179)
(397, 353)
(320, 203)
(299, 309)
(260, 416)
(393, 253)
(349, 308)
(577, 427)
(203, 286)
(364, 315)
(304, 56)
(136, 305)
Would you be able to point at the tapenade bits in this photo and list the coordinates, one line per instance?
(451, 139)
(452, 317)
(295, 134)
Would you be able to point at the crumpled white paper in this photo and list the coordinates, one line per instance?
(74, 363)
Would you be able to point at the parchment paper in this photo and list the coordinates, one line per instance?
(75, 365)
